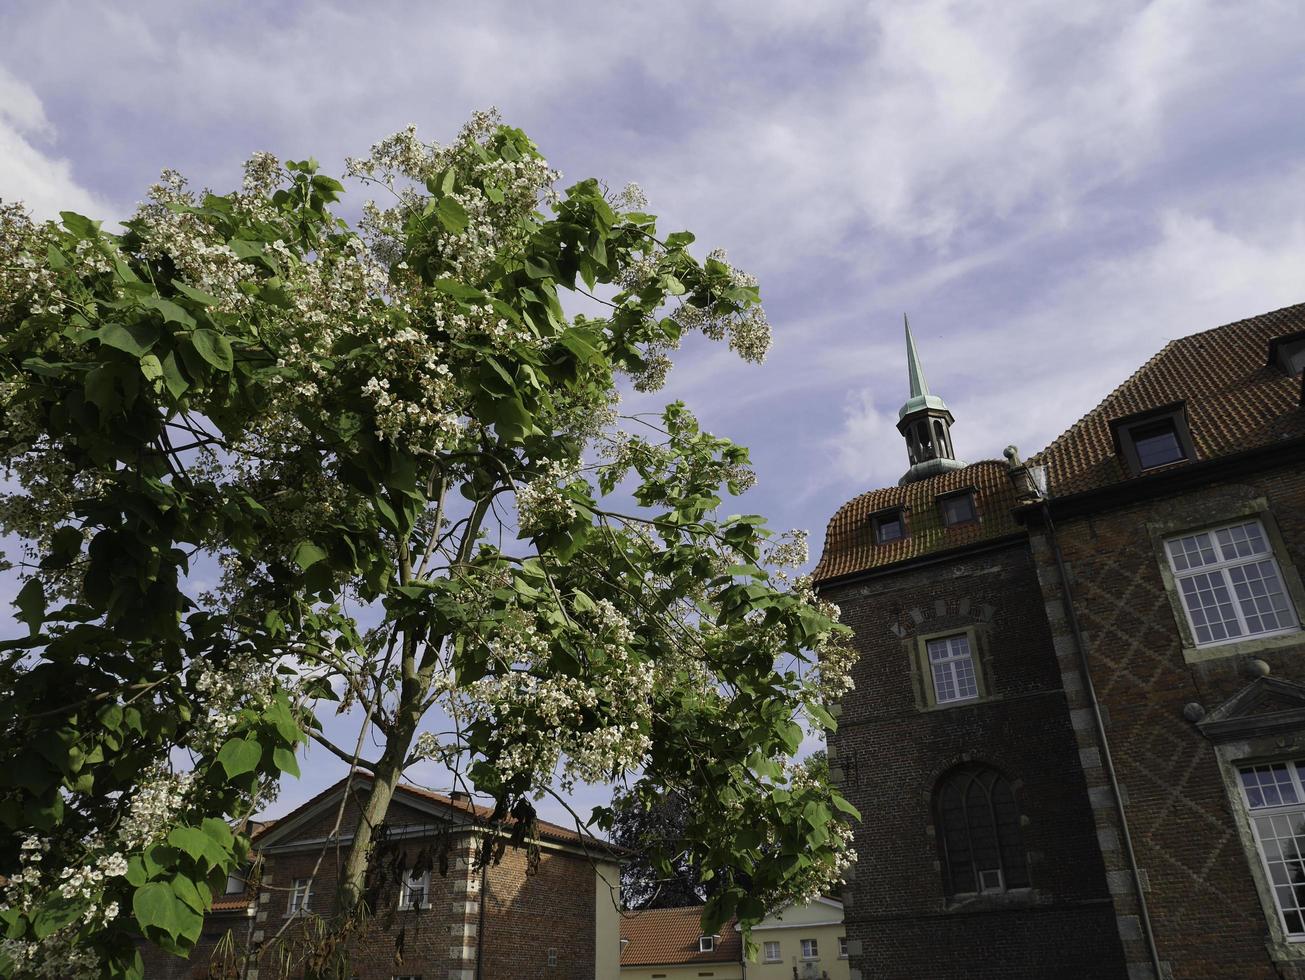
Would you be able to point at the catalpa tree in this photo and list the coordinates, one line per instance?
(400, 464)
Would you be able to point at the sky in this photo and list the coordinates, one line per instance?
(1051, 190)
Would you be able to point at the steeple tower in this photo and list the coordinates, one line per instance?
(925, 422)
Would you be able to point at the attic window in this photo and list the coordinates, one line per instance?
(889, 525)
(1288, 352)
(1153, 439)
(706, 944)
(957, 508)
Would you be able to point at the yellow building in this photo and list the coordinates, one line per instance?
(806, 941)
(805, 938)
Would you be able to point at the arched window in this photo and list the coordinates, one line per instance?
(979, 832)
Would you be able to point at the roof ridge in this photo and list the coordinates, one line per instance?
(1149, 362)
(1083, 419)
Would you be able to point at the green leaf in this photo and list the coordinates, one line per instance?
(197, 844)
(307, 554)
(219, 831)
(156, 906)
(170, 311)
(451, 215)
(285, 761)
(198, 295)
(80, 225)
(151, 367)
(135, 338)
(214, 348)
(172, 377)
(31, 604)
(239, 756)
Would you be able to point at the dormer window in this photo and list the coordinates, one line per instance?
(1153, 439)
(889, 526)
(1288, 353)
(957, 508)
(706, 944)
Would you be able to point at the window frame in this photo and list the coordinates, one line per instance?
(1124, 431)
(923, 669)
(895, 515)
(297, 905)
(972, 772)
(1183, 525)
(706, 944)
(406, 889)
(967, 493)
(1297, 807)
(765, 951)
(842, 947)
(1223, 567)
(810, 950)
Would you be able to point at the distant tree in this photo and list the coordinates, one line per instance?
(408, 462)
(661, 872)
(647, 883)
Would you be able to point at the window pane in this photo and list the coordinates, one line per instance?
(1192, 551)
(982, 844)
(1210, 606)
(1157, 444)
(1261, 596)
(1269, 786)
(888, 529)
(958, 509)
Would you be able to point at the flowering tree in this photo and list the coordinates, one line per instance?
(395, 424)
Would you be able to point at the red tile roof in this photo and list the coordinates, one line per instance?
(665, 937)
(1235, 401)
(850, 546)
(546, 830)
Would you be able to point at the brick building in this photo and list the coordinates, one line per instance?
(546, 911)
(1097, 780)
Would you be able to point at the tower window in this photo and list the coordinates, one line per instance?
(889, 525)
(951, 665)
(957, 508)
(979, 832)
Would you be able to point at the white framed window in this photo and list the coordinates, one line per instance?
(1275, 797)
(301, 896)
(1230, 583)
(810, 949)
(770, 952)
(414, 892)
(951, 664)
(551, 958)
(842, 947)
(706, 944)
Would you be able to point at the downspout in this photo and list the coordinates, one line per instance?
(484, 899)
(1107, 760)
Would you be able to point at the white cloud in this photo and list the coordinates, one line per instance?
(29, 172)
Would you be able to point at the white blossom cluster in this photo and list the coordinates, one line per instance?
(154, 807)
(542, 503)
(495, 225)
(58, 955)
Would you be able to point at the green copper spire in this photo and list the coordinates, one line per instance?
(913, 366)
(925, 422)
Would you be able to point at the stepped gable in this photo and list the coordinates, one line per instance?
(1235, 401)
(850, 545)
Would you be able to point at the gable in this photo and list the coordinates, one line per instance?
(1266, 706)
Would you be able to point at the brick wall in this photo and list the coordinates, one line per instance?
(1207, 916)
(536, 902)
(891, 749)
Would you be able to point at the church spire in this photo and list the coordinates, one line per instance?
(925, 422)
(919, 386)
